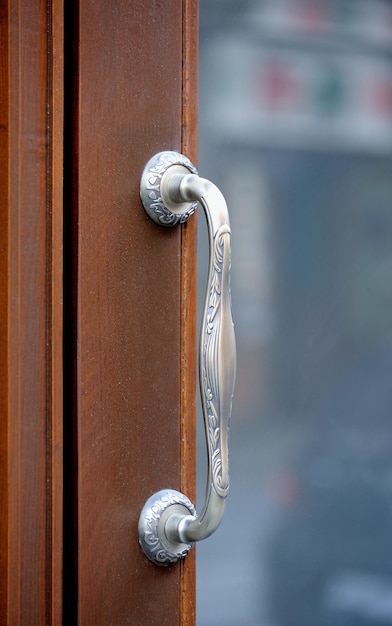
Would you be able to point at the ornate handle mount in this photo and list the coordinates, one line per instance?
(168, 524)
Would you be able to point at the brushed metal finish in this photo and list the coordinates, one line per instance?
(170, 191)
(159, 548)
(158, 206)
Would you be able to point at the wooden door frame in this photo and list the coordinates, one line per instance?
(31, 371)
(31, 309)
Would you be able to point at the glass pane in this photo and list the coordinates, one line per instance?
(296, 130)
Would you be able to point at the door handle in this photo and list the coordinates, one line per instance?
(168, 524)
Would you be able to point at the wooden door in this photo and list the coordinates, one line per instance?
(110, 326)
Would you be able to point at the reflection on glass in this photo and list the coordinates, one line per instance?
(296, 129)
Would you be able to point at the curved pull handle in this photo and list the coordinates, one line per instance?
(168, 524)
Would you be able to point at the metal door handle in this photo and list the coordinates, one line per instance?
(168, 524)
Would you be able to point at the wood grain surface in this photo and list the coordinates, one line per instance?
(31, 312)
(133, 306)
(112, 323)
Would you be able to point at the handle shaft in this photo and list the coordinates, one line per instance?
(217, 357)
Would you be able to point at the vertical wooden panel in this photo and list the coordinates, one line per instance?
(134, 286)
(131, 278)
(188, 304)
(4, 375)
(31, 314)
(55, 164)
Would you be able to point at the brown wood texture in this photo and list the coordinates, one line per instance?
(188, 305)
(134, 306)
(31, 312)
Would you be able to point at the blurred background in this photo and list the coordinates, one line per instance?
(296, 130)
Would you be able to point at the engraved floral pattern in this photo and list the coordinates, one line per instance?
(150, 535)
(217, 387)
(217, 359)
(152, 199)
